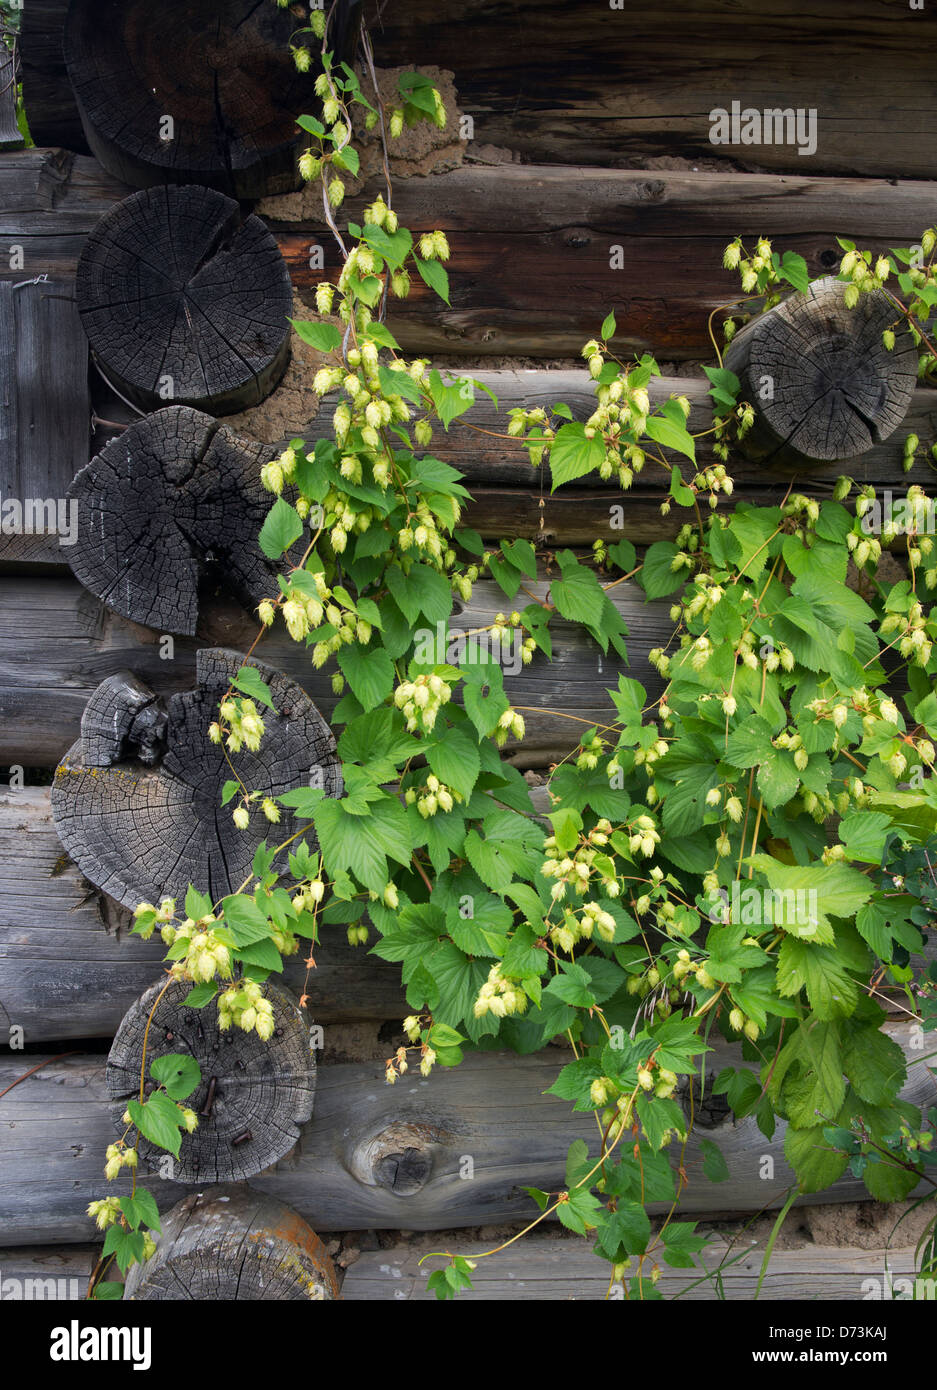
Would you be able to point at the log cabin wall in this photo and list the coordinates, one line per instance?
(576, 175)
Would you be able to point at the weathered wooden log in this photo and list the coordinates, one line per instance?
(531, 244)
(491, 1109)
(175, 491)
(824, 386)
(11, 137)
(254, 1096)
(545, 1269)
(143, 833)
(46, 410)
(57, 644)
(561, 85)
(47, 94)
(184, 300)
(208, 96)
(503, 484)
(229, 1242)
(69, 967)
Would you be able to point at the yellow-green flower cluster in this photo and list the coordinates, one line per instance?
(241, 725)
(247, 1008)
(421, 700)
(105, 1212)
(206, 955)
(576, 871)
(499, 996)
(433, 796)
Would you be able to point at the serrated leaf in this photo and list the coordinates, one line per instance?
(159, 1120)
(282, 528)
(369, 671)
(456, 761)
(434, 275)
(178, 1073)
(831, 990)
(141, 1208)
(250, 682)
(324, 337)
(656, 577)
(714, 1165)
(573, 454)
(672, 435)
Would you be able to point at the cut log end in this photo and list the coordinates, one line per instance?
(210, 95)
(229, 1243)
(823, 385)
(175, 492)
(253, 1098)
(184, 300)
(142, 832)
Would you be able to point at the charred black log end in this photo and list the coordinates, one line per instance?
(173, 491)
(183, 301)
(823, 385)
(209, 95)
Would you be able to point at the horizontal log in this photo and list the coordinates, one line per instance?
(533, 245)
(376, 1156)
(57, 644)
(540, 254)
(511, 497)
(69, 967)
(559, 82)
(540, 1268)
(58, 1272)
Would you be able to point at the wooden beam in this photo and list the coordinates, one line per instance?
(59, 1272)
(11, 137)
(562, 82)
(540, 254)
(558, 82)
(533, 245)
(512, 497)
(541, 1268)
(57, 644)
(69, 967)
(45, 409)
(491, 1109)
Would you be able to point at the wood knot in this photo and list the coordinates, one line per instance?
(652, 191)
(399, 1158)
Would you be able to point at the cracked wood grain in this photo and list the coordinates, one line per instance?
(184, 300)
(253, 1099)
(140, 832)
(824, 386)
(230, 1242)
